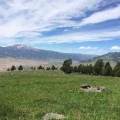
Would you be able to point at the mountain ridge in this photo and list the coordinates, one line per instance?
(25, 52)
(108, 57)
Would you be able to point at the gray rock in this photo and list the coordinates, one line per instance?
(89, 88)
(85, 86)
(55, 116)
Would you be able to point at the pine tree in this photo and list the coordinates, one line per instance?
(40, 67)
(107, 70)
(8, 69)
(83, 69)
(117, 70)
(98, 67)
(75, 69)
(53, 67)
(20, 67)
(80, 68)
(67, 68)
(48, 68)
(13, 68)
(89, 69)
(33, 68)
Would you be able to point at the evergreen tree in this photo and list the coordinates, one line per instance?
(86, 71)
(90, 69)
(80, 68)
(107, 70)
(98, 67)
(13, 68)
(33, 68)
(53, 67)
(117, 69)
(20, 67)
(48, 68)
(8, 69)
(67, 68)
(83, 69)
(75, 69)
(40, 67)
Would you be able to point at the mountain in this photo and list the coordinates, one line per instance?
(20, 51)
(112, 57)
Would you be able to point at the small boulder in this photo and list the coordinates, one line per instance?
(50, 116)
(89, 88)
(85, 86)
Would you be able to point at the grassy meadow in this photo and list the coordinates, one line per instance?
(29, 95)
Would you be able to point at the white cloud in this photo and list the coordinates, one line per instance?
(115, 48)
(80, 37)
(18, 16)
(29, 18)
(102, 16)
(87, 48)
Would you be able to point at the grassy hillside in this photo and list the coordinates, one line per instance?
(31, 94)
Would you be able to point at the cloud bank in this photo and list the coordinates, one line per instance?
(30, 19)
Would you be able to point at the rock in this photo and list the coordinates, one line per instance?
(89, 88)
(85, 86)
(55, 116)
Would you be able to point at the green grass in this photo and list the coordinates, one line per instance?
(29, 95)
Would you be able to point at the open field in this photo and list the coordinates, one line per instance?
(29, 95)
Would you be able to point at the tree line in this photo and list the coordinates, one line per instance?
(13, 68)
(99, 68)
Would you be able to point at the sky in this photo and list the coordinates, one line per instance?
(69, 26)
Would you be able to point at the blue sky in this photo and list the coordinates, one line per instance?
(72, 26)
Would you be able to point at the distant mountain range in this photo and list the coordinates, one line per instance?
(20, 51)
